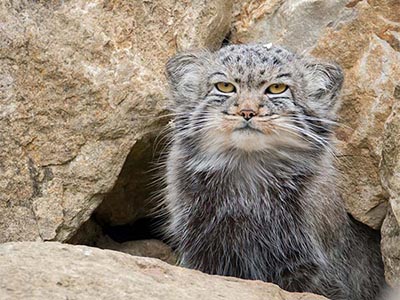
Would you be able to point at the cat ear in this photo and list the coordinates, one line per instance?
(324, 84)
(183, 72)
(179, 65)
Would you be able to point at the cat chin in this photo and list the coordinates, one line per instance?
(249, 140)
(252, 141)
(218, 142)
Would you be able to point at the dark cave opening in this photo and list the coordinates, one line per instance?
(143, 229)
(131, 211)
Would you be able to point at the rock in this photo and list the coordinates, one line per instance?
(147, 248)
(136, 180)
(391, 249)
(88, 233)
(58, 271)
(212, 21)
(92, 234)
(81, 83)
(296, 24)
(364, 38)
(372, 76)
(390, 174)
(393, 294)
(390, 163)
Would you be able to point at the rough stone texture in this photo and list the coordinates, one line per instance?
(371, 61)
(364, 38)
(87, 234)
(296, 24)
(390, 163)
(58, 271)
(81, 82)
(391, 249)
(390, 174)
(147, 248)
(136, 178)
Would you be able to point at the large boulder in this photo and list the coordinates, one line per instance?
(81, 83)
(58, 271)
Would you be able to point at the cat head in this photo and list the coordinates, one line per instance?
(254, 98)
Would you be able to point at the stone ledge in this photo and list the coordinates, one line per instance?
(51, 270)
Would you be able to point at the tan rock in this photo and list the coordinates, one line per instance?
(390, 174)
(361, 46)
(390, 163)
(391, 248)
(146, 248)
(133, 194)
(59, 271)
(211, 24)
(296, 24)
(81, 83)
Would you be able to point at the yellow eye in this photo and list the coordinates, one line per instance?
(277, 88)
(225, 87)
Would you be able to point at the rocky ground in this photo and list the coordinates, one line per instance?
(83, 112)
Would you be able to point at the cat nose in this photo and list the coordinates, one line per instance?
(247, 114)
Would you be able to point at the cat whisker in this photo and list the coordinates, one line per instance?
(300, 132)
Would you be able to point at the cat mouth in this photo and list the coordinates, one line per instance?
(247, 128)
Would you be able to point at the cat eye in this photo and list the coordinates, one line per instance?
(277, 88)
(225, 87)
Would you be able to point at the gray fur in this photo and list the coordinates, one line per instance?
(263, 204)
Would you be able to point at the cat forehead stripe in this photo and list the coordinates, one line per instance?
(216, 74)
(283, 75)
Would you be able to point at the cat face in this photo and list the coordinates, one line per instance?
(253, 98)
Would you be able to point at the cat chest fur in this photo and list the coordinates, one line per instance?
(244, 226)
